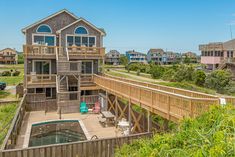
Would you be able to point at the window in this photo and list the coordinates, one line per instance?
(87, 41)
(81, 30)
(39, 90)
(44, 40)
(87, 67)
(44, 29)
(41, 67)
(49, 92)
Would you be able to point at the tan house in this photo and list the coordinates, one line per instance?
(192, 56)
(112, 57)
(8, 56)
(62, 52)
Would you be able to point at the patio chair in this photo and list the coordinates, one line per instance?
(83, 107)
(96, 108)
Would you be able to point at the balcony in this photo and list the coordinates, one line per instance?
(75, 52)
(69, 67)
(41, 80)
(40, 51)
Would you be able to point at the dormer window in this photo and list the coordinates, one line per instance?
(80, 30)
(44, 29)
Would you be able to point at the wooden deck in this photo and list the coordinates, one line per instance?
(90, 121)
(170, 103)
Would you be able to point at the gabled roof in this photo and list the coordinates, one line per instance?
(13, 50)
(90, 24)
(44, 19)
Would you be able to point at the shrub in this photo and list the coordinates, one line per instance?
(6, 73)
(199, 77)
(219, 80)
(184, 73)
(169, 75)
(157, 71)
(16, 73)
(211, 134)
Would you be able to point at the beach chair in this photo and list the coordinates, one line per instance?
(96, 108)
(83, 107)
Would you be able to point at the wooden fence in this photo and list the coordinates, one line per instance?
(11, 137)
(169, 105)
(91, 148)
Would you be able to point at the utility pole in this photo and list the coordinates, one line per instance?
(231, 33)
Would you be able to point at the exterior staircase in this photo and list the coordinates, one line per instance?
(67, 101)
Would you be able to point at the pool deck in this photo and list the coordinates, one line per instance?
(89, 122)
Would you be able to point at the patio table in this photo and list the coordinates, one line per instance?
(108, 116)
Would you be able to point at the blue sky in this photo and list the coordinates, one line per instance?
(177, 25)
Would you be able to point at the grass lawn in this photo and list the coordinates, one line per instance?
(12, 80)
(7, 113)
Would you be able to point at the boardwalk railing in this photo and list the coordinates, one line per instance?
(91, 148)
(166, 88)
(11, 137)
(169, 105)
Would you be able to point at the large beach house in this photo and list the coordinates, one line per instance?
(8, 56)
(62, 52)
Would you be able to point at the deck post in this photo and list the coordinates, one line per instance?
(149, 121)
(116, 110)
(129, 115)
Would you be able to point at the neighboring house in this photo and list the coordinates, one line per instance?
(158, 56)
(8, 56)
(134, 56)
(112, 57)
(217, 53)
(155, 55)
(192, 56)
(62, 52)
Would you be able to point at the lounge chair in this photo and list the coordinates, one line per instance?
(96, 108)
(83, 107)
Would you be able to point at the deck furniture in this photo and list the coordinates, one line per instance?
(96, 108)
(83, 107)
(109, 117)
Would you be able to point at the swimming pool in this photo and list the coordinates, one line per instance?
(54, 132)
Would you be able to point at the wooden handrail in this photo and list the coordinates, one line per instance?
(156, 100)
(16, 120)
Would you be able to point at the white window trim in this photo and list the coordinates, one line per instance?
(35, 34)
(81, 27)
(42, 61)
(43, 32)
(75, 35)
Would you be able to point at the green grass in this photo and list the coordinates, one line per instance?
(4, 94)
(188, 86)
(12, 80)
(7, 113)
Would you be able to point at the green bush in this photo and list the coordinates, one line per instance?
(211, 134)
(220, 80)
(6, 73)
(199, 77)
(138, 73)
(169, 75)
(184, 73)
(157, 71)
(16, 73)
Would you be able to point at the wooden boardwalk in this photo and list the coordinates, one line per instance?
(170, 103)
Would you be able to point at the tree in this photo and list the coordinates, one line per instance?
(124, 60)
(184, 73)
(186, 60)
(20, 58)
(219, 80)
(157, 71)
(199, 77)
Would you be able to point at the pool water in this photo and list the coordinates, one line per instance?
(55, 132)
